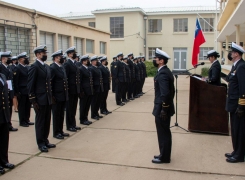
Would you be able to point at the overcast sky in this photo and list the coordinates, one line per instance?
(56, 7)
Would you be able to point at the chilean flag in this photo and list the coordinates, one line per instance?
(198, 41)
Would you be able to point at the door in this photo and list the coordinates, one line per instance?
(180, 55)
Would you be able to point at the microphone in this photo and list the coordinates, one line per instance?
(200, 64)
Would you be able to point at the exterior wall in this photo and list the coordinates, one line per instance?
(83, 22)
(54, 25)
(168, 39)
(133, 23)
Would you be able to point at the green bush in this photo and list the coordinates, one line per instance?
(204, 72)
(150, 69)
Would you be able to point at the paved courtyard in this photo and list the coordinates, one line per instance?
(121, 146)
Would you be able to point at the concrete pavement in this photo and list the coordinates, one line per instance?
(121, 146)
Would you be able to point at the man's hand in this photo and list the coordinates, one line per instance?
(163, 115)
(35, 106)
(240, 112)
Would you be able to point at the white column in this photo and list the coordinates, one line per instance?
(226, 50)
(238, 34)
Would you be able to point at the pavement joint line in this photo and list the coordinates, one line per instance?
(142, 167)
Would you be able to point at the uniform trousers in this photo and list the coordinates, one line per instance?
(164, 137)
(119, 92)
(103, 103)
(238, 136)
(58, 112)
(85, 103)
(24, 106)
(4, 139)
(71, 109)
(42, 124)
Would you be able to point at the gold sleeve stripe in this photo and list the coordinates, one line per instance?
(241, 101)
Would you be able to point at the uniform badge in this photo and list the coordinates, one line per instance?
(14, 73)
(115, 66)
(234, 73)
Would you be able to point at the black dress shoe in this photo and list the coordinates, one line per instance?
(100, 116)
(8, 165)
(105, 113)
(78, 128)
(85, 123)
(2, 171)
(30, 123)
(228, 155)
(43, 149)
(65, 134)
(72, 129)
(233, 160)
(131, 99)
(121, 104)
(89, 122)
(96, 118)
(50, 145)
(158, 161)
(136, 96)
(24, 124)
(156, 156)
(59, 136)
(13, 129)
(108, 112)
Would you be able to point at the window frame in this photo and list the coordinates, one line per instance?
(204, 24)
(92, 46)
(102, 43)
(117, 27)
(151, 25)
(202, 56)
(180, 22)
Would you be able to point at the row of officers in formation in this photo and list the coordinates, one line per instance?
(58, 87)
(235, 101)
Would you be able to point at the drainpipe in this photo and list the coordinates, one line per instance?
(145, 46)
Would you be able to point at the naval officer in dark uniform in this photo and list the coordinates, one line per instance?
(60, 94)
(73, 75)
(4, 126)
(106, 85)
(235, 104)
(163, 106)
(214, 72)
(86, 90)
(5, 69)
(40, 95)
(131, 84)
(113, 64)
(21, 91)
(13, 67)
(98, 88)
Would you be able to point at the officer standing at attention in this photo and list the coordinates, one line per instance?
(144, 71)
(214, 71)
(118, 73)
(126, 79)
(73, 75)
(21, 91)
(137, 78)
(14, 60)
(40, 95)
(106, 85)
(78, 63)
(98, 88)
(113, 64)
(4, 126)
(235, 104)
(163, 106)
(7, 71)
(131, 84)
(86, 90)
(60, 94)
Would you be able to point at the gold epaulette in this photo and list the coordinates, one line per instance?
(241, 101)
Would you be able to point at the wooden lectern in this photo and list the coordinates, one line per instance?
(207, 108)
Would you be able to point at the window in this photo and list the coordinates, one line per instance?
(102, 48)
(89, 46)
(117, 27)
(203, 52)
(15, 39)
(151, 51)
(207, 24)
(63, 42)
(154, 25)
(48, 40)
(181, 25)
(78, 43)
(91, 24)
